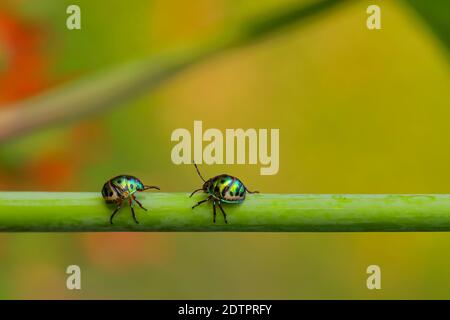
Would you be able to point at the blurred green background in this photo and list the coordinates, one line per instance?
(359, 111)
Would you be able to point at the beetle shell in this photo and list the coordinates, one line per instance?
(226, 188)
(121, 187)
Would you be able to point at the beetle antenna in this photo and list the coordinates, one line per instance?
(151, 187)
(198, 171)
(195, 192)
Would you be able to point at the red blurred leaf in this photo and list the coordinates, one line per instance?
(117, 252)
(25, 72)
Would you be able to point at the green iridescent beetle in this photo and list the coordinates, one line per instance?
(121, 188)
(222, 189)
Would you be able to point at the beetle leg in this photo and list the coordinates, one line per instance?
(119, 204)
(151, 187)
(195, 192)
(224, 214)
(140, 204)
(200, 202)
(214, 211)
(132, 210)
(251, 191)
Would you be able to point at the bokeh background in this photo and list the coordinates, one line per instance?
(359, 111)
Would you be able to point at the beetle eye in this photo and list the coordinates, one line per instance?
(131, 186)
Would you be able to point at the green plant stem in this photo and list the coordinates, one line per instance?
(115, 87)
(66, 212)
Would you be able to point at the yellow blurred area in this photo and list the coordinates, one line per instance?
(359, 111)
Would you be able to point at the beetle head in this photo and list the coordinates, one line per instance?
(207, 185)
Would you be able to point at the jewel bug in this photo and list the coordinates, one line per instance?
(222, 189)
(121, 188)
